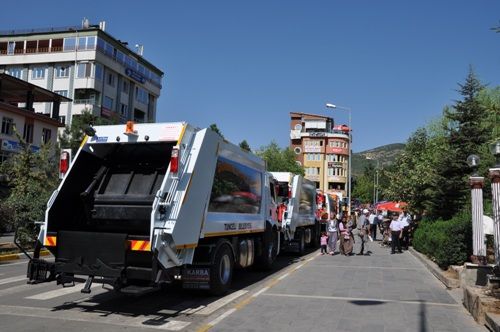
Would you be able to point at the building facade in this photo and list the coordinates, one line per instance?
(99, 72)
(17, 115)
(323, 150)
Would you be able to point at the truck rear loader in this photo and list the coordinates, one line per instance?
(149, 204)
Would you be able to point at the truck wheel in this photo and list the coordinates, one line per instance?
(221, 272)
(315, 236)
(301, 243)
(270, 250)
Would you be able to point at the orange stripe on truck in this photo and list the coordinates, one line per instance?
(50, 241)
(140, 245)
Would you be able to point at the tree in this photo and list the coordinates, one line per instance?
(279, 160)
(214, 127)
(244, 145)
(72, 136)
(363, 187)
(465, 136)
(32, 176)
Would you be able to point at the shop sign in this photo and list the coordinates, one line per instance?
(135, 75)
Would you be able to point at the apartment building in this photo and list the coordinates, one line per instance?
(323, 150)
(100, 73)
(17, 115)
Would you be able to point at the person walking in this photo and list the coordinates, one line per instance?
(323, 242)
(346, 237)
(395, 228)
(332, 234)
(362, 231)
(372, 219)
(405, 220)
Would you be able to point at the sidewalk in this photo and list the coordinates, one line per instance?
(381, 292)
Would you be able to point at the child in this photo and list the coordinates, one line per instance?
(324, 241)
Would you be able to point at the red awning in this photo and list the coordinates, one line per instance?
(392, 206)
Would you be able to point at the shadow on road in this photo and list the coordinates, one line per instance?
(160, 306)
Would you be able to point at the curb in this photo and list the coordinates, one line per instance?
(11, 257)
(435, 270)
(493, 321)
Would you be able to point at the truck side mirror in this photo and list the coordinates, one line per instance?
(285, 215)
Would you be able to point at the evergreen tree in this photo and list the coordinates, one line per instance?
(465, 136)
(214, 127)
(245, 146)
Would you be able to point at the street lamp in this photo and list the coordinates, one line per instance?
(495, 151)
(328, 105)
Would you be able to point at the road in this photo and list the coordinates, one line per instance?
(380, 292)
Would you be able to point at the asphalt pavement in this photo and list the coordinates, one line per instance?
(380, 292)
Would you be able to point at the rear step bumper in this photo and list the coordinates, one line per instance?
(88, 253)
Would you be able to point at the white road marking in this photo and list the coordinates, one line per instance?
(17, 289)
(221, 317)
(59, 292)
(298, 267)
(284, 276)
(82, 316)
(17, 263)
(214, 306)
(342, 298)
(311, 259)
(370, 267)
(260, 292)
(12, 279)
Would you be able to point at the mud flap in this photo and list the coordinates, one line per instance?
(87, 253)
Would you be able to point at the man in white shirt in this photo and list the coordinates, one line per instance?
(395, 228)
(405, 220)
(372, 219)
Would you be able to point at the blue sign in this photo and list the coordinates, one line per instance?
(98, 139)
(135, 75)
(14, 146)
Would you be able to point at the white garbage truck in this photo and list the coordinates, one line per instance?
(147, 204)
(298, 223)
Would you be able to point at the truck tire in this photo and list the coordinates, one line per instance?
(315, 236)
(301, 239)
(221, 271)
(270, 248)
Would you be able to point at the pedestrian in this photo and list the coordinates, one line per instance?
(396, 228)
(372, 219)
(333, 234)
(405, 220)
(346, 236)
(362, 231)
(324, 240)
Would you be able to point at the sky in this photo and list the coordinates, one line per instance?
(245, 65)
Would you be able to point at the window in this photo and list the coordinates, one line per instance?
(141, 95)
(124, 110)
(46, 135)
(37, 73)
(107, 103)
(91, 43)
(236, 188)
(84, 70)
(16, 72)
(7, 126)
(69, 44)
(28, 130)
(98, 71)
(125, 87)
(62, 119)
(11, 48)
(63, 93)
(62, 71)
(110, 79)
(120, 57)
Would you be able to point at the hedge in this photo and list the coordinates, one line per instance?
(447, 242)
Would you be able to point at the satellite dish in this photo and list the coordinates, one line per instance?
(298, 126)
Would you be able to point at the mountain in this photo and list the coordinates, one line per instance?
(385, 154)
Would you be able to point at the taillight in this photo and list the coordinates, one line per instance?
(174, 161)
(64, 163)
